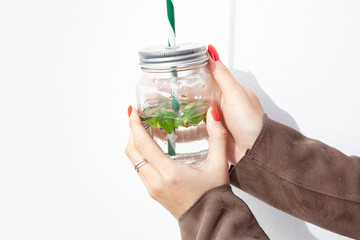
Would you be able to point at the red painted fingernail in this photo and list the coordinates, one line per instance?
(215, 112)
(129, 110)
(213, 53)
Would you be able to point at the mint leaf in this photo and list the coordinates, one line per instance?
(154, 123)
(179, 122)
(167, 124)
(191, 113)
(164, 119)
(190, 106)
(196, 120)
(169, 119)
(165, 114)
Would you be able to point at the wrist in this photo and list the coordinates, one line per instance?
(251, 139)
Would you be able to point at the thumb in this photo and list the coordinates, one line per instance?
(222, 75)
(217, 137)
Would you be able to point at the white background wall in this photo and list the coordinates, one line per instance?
(67, 75)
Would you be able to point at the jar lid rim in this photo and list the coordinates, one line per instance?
(162, 57)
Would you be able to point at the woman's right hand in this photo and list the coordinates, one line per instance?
(242, 112)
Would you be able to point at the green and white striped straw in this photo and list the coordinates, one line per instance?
(171, 21)
(174, 92)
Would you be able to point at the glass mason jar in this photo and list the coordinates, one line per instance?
(173, 96)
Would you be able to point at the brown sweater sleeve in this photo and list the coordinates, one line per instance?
(303, 177)
(219, 214)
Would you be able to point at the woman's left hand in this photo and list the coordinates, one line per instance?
(175, 185)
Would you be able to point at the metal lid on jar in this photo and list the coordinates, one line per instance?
(182, 56)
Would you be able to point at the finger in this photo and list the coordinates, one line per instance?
(146, 146)
(217, 138)
(222, 76)
(146, 172)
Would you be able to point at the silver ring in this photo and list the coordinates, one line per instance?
(139, 164)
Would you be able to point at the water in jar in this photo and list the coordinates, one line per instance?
(181, 134)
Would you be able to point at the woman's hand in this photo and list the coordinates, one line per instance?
(241, 110)
(176, 185)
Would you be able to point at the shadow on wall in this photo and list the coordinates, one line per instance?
(248, 80)
(281, 224)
